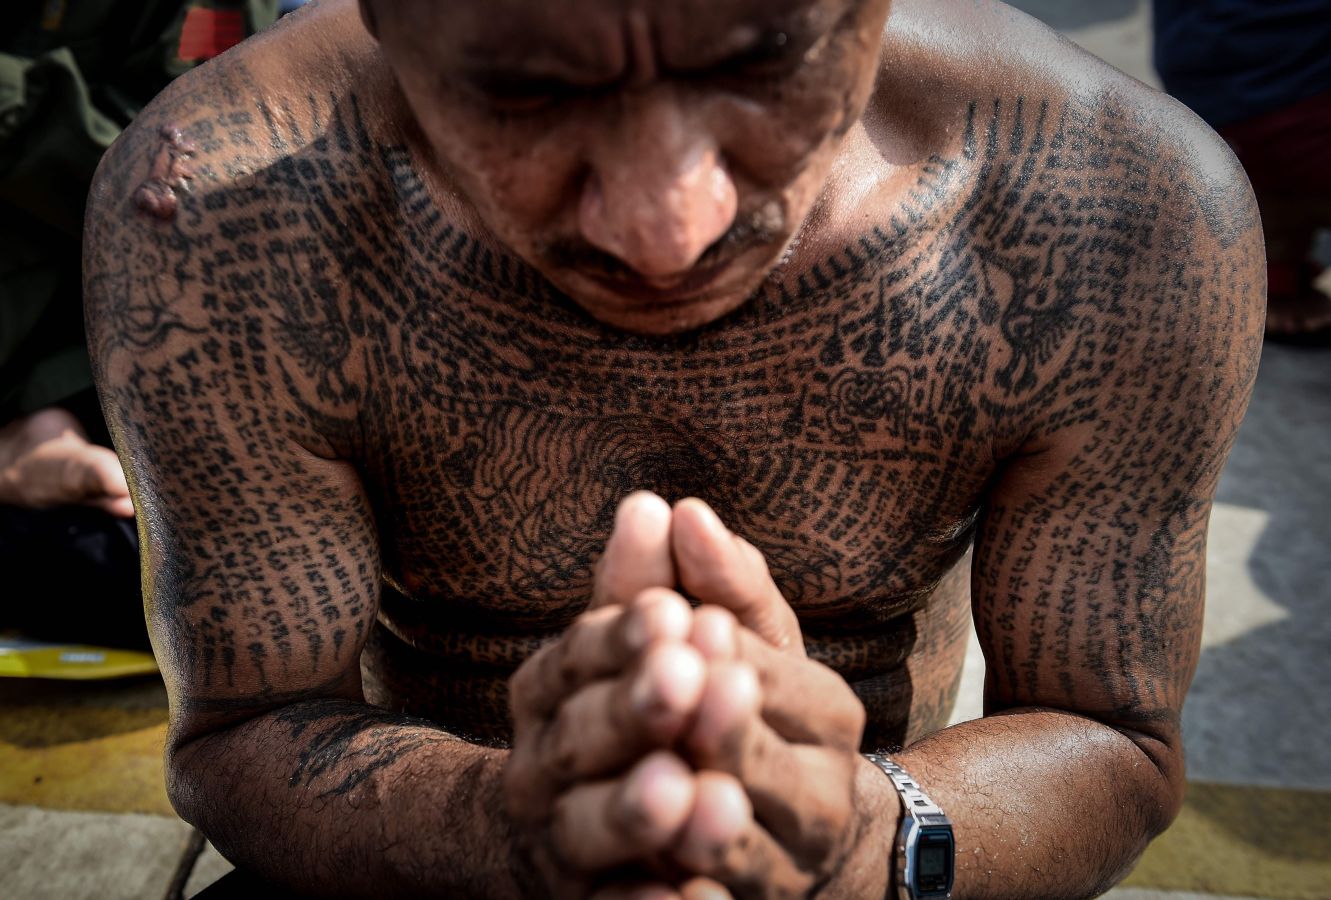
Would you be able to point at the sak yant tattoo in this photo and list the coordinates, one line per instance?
(329, 390)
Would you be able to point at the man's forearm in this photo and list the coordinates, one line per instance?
(1044, 803)
(337, 798)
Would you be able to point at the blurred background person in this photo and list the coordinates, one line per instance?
(73, 73)
(1259, 72)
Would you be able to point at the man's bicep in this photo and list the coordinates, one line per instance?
(260, 556)
(261, 565)
(1088, 588)
(1090, 563)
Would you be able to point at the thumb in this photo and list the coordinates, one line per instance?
(718, 567)
(637, 555)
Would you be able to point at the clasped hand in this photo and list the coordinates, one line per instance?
(662, 751)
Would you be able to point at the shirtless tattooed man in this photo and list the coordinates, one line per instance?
(560, 429)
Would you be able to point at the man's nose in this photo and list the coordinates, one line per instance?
(658, 194)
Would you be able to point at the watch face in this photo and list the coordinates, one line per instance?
(933, 862)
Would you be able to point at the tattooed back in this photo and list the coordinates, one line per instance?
(358, 429)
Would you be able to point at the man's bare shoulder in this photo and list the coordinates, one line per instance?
(1084, 230)
(217, 222)
(245, 110)
(954, 55)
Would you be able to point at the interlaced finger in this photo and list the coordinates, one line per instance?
(607, 725)
(604, 824)
(716, 566)
(601, 643)
(801, 793)
(722, 841)
(804, 701)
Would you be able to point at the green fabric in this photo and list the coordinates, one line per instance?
(56, 377)
(73, 73)
(51, 137)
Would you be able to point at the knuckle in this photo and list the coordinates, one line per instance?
(581, 645)
(730, 861)
(621, 713)
(820, 836)
(562, 743)
(848, 719)
(563, 837)
(639, 823)
(520, 681)
(72, 477)
(585, 625)
(563, 666)
(523, 687)
(746, 753)
(841, 717)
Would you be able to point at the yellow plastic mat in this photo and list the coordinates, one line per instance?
(23, 658)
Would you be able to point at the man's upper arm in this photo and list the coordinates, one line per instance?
(260, 559)
(1089, 572)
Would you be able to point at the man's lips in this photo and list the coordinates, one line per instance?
(677, 289)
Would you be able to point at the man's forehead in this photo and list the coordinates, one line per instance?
(598, 34)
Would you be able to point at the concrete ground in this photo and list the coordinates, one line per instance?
(83, 812)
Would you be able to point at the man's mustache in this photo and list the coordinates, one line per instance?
(746, 233)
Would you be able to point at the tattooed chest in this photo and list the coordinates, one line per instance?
(510, 449)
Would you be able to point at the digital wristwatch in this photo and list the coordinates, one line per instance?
(925, 851)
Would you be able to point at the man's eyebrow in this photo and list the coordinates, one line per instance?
(523, 76)
(516, 68)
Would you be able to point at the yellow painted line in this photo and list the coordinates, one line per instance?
(1260, 842)
(59, 755)
(100, 750)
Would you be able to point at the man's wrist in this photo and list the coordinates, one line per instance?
(925, 846)
(455, 830)
(533, 870)
(874, 855)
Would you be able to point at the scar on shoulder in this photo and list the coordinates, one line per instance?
(168, 176)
